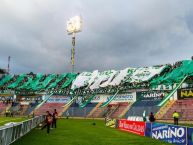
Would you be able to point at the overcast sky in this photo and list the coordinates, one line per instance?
(116, 34)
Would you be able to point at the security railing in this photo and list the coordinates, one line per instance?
(10, 133)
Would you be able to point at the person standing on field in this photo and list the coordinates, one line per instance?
(48, 121)
(144, 116)
(176, 117)
(151, 117)
(55, 117)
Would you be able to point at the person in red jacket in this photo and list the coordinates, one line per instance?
(48, 121)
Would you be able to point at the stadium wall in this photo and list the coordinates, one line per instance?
(179, 135)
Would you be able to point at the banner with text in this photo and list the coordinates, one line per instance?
(111, 122)
(169, 133)
(148, 129)
(151, 95)
(129, 97)
(185, 94)
(190, 135)
(58, 99)
(29, 98)
(135, 127)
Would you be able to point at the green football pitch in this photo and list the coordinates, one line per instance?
(83, 132)
(4, 120)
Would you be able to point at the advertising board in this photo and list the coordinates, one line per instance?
(135, 127)
(169, 133)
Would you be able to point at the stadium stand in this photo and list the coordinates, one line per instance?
(146, 101)
(183, 107)
(49, 107)
(2, 107)
(111, 108)
(76, 111)
(138, 108)
(30, 109)
(98, 112)
(151, 81)
(159, 115)
(120, 110)
(54, 102)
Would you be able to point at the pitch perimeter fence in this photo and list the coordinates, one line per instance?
(10, 133)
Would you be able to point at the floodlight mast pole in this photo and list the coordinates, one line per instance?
(8, 65)
(73, 51)
(74, 26)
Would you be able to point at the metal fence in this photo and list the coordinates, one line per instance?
(9, 134)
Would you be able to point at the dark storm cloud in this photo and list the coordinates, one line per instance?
(116, 34)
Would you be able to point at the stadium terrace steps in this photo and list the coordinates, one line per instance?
(94, 109)
(43, 102)
(29, 111)
(49, 107)
(65, 108)
(113, 110)
(67, 105)
(122, 107)
(110, 109)
(184, 107)
(6, 108)
(126, 109)
(15, 108)
(76, 111)
(163, 110)
(2, 108)
(98, 113)
(24, 109)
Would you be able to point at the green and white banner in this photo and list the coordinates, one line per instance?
(83, 79)
(102, 78)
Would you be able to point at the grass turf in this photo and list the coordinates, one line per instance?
(4, 120)
(83, 132)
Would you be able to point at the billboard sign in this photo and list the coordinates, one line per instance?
(169, 133)
(151, 95)
(135, 127)
(59, 99)
(190, 135)
(185, 94)
(99, 98)
(129, 97)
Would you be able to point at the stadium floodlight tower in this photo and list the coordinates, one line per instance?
(74, 25)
